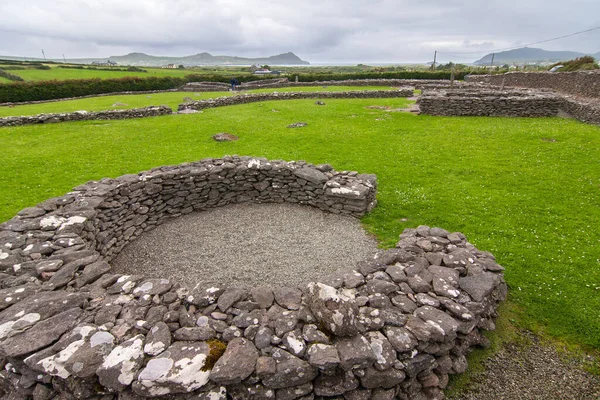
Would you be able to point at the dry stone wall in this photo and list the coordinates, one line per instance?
(489, 103)
(581, 83)
(258, 97)
(151, 111)
(391, 327)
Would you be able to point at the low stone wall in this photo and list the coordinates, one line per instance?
(582, 110)
(392, 327)
(151, 111)
(205, 87)
(257, 97)
(488, 103)
(87, 97)
(581, 83)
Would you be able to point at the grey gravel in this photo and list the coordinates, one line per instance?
(248, 245)
(532, 372)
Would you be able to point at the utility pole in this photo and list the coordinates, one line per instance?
(43, 54)
(64, 59)
(492, 63)
(434, 58)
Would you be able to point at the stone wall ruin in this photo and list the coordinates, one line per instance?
(391, 327)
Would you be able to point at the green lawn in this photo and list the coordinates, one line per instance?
(171, 99)
(527, 190)
(4, 80)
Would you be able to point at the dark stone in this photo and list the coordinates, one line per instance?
(355, 352)
(236, 364)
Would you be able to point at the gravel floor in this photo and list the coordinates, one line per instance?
(247, 245)
(535, 372)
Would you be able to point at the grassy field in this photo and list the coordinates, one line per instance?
(61, 74)
(171, 99)
(525, 189)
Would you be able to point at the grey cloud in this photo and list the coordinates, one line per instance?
(325, 30)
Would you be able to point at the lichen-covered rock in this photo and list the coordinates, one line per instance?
(355, 352)
(236, 364)
(289, 371)
(122, 364)
(334, 311)
(40, 335)
(182, 368)
(158, 339)
(323, 356)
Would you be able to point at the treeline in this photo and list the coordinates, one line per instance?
(50, 90)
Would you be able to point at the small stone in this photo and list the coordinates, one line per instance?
(263, 296)
(225, 137)
(332, 309)
(297, 125)
(194, 334)
(289, 298)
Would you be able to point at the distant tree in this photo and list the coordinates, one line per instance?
(181, 66)
(265, 66)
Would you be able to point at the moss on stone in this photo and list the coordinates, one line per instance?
(216, 349)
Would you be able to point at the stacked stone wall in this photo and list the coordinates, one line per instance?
(151, 111)
(391, 327)
(581, 83)
(258, 97)
(489, 103)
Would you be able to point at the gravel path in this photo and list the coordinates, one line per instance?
(532, 372)
(247, 245)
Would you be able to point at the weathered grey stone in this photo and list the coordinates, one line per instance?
(333, 310)
(179, 369)
(89, 356)
(41, 334)
(122, 364)
(263, 296)
(294, 343)
(479, 286)
(335, 385)
(13, 295)
(263, 337)
(158, 339)
(194, 333)
(355, 352)
(290, 298)
(289, 371)
(322, 356)
(92, 272)
(419, 363)
(383, 350)
(312, 175)
(230, 297)
(236, 364)
(312, 334)
(152, 287)
(296, 392)
(439, 320)
(405, 304)
(386, 379)
(401, 338)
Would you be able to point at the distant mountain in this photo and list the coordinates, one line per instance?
(528, 54)
(145, 60)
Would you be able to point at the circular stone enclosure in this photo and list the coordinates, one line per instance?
(391, 326)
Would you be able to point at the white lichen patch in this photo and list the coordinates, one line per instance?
(73, 221)
(100, 338)
(295, 345)
(154, 348)
(25, 321)
(345, 190)
(3, 256)
(186, 373)
(146, 287)
(51, 221)
(125, 357)
(254, 164)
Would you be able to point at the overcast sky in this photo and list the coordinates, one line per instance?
(319, 31)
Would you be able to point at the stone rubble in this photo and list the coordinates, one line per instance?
(394, 326)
